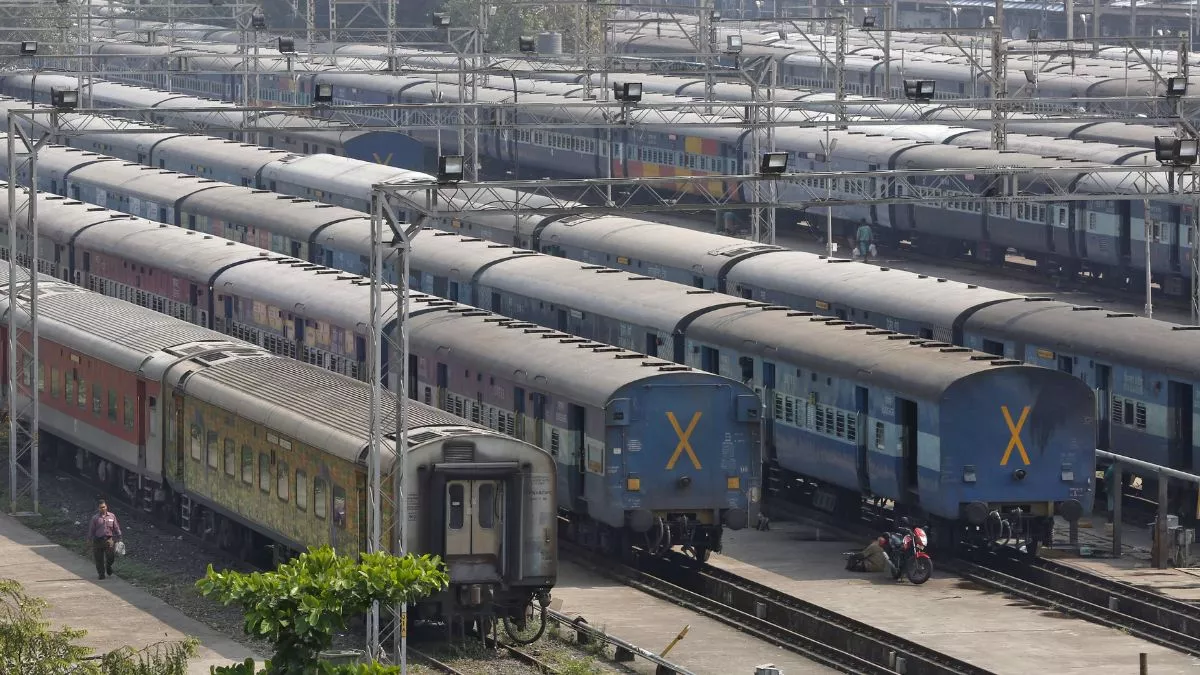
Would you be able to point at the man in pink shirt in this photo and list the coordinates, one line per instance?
(103, 533)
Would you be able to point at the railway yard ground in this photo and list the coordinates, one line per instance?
(113, 611)
(990, 630)
(1134, 567)
(709, 648)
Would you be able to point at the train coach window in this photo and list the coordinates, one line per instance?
(301, 490)
(54, 388)
(281, 484)
(879, 442)
(457, 508)
(339, 507)
(320, 490)
(247, 465)
(487, 505)
(128, 413)
(112, 405)
(211, 450)
(69, 387)
(230, 458)
(264, 472)
(197, 444)
(41, 376)
(83, 393)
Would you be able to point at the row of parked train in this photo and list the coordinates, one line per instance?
(1102, 238)
(651, 450)
(260, 452)
(1144, 393)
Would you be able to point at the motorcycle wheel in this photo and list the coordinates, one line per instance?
(919, 570)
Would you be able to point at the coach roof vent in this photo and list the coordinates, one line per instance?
(633, 355)
(605, 349)
(819, 318)
(1037, 298)
(1084, 308)
(1119, 315)
(936, 344)
(674, 368)
(799, 313)
(1005, 362)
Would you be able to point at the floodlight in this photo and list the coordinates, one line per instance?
(627, 92)
(868, 21)
(28, 47)
(714, 16)
(64, 99)
(1034, 34)
(323, 93)
(773, 163)
(258, 22)
(782, 35)
(450, 168)
(1172, 151)
(919, 90)
(441, 20)
(287, 45)
(1177, 86)
(526, 44)
(1030, 76)
(733, 44)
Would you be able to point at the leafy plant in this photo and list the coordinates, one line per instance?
(302, 604)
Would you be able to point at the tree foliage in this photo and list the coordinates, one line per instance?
(29, 646)
(302, 604)
(510, 22)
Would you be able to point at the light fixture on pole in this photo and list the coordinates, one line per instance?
(287, 45)
(773, 163)
(258, 21)
(441, 20)
(868, 21)
(323, 93)
(1176, 87)
(1034, 34)
(733, 44)
(526, 44)
(29, 47)
(1175, 152)
(64, 99)
(627, 92)
(450, 169)
(920, 90)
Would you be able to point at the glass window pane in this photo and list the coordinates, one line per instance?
(301, 490)
(282, 483)
(230, 458)
(197, 444)
(456, 506)
(112, 405)
(247, 465)
(319, 503)
(264, 472)
(487, 503)
(128, 413)
(339, 506)
(213, 459)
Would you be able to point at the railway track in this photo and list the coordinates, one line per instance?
(821, 635)
(1150, 616)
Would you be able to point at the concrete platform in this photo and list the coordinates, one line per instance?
(1134, 566)
(114, 612)
(710, 647)
(999, 633)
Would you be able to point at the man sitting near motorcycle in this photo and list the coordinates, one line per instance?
(873, 558)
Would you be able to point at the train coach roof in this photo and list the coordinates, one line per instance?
(902, 363)
(871, 288)
(119, 332)
(587, 371)
(676, 247)
(1103, 335)
(311, 404)
(293, 217)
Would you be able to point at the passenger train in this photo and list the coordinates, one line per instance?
(249, 449)
(1143, 402)
(850, 410)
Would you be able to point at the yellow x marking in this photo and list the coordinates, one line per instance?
(684, 440)
(386, 161)
(1015, 430)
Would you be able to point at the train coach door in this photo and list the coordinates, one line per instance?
(1179, 424)
(474, 516)
(1103, 401)
(906, 421)
(862, 407)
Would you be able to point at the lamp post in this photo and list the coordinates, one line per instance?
(827, 148)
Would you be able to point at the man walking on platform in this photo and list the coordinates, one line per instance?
(103, 533)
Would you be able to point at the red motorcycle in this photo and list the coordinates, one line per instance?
(906, 550)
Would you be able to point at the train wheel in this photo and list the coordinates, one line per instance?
(530, 627)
